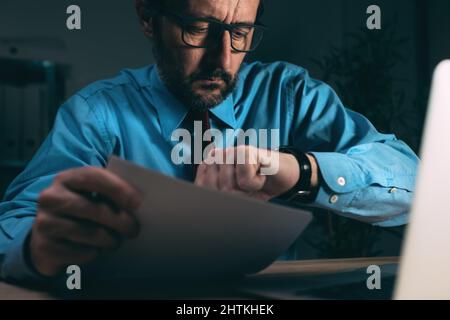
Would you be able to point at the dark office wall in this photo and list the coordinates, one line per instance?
(110, 38)
(109, 41)
(437, 25)
(299, 30)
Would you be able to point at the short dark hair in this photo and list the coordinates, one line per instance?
(145, 8)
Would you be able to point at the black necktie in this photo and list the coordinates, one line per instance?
(202, 116)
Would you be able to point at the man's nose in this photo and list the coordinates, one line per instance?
(222, 52)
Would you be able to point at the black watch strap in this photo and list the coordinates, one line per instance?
(302, 191)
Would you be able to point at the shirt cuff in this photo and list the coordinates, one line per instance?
(16, 266)
(341, 179)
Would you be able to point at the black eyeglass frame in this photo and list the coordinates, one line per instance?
(184, 22)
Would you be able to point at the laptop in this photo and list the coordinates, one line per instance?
(425, 264)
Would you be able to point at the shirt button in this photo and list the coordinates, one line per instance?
(393, 190)
(341, 181)
(334, 198)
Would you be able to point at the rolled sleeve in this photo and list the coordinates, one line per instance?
(15, 264)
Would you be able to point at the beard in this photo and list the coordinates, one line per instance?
(215, 83)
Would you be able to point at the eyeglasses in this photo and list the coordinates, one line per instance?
(205, 33)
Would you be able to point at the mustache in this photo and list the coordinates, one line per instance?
(215, 74)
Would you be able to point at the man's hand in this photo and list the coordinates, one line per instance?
(246, 178)
(72, 226)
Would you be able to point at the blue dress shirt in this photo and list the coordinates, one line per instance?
(366, 175)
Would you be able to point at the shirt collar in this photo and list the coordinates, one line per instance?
(171, 111)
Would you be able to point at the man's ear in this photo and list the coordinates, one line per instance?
(145, 20)
(147, 27)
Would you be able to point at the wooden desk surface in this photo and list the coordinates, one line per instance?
(277, 271)
(316, 267)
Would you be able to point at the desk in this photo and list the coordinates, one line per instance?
(275, 282)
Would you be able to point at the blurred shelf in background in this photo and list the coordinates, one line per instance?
(30, 94)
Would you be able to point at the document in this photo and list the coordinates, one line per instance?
(192, 232)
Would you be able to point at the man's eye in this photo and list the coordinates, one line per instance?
(196, 29)
(239, 34)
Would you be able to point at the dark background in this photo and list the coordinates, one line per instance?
(382, 74)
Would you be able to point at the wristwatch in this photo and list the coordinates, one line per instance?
(302, 191)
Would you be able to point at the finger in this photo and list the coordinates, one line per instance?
(269, 162)
(77, 232)
(227, 180)
(247, 178)
(246, 155)
(201, 173)
(227, 174)
(61, 201)
(210, 157)
(206, 171)
(211, 179)
(63, 253)
(207, 176)
(101, 181)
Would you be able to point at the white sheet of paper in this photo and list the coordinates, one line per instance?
(187, 231)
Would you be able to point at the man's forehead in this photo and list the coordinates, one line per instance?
(228, 11)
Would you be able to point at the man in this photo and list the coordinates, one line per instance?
(65, 207)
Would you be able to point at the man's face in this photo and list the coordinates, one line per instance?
(200, 77)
